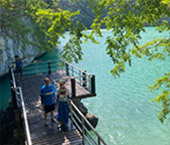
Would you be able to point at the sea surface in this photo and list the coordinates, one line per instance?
(123, 105)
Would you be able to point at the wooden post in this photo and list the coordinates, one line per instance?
(73, 87)
(67, 69)
(49, 67)
(93, 89)
(84, 79)
(14, 100)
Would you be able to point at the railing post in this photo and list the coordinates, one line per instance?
(49, 67)
(14, 100)
(72, 68)
(36, 66)
(73, 87)
(71, 111)
(83, 131)
(93, 89)
(98, 141)
(67, 69)
(84, 79)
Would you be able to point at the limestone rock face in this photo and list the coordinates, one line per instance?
(10, 47)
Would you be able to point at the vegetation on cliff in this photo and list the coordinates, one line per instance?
(16, 24)
(125, 18)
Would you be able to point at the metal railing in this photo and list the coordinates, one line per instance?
(81, 77)
(42, 67)
(18, 99)
(81, 122)
(28, 135)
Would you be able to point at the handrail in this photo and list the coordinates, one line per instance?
(77, 68)
(13, 78)
(74, 66)
(100, 139)
(23, 107)
(55, 60)
(35, 65)
(41, 67)
(25, 118)
(81, 76)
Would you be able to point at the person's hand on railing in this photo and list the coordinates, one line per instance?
(69, 98)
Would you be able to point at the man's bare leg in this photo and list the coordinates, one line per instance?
(18, 77)
(46, 118)
(52, 116)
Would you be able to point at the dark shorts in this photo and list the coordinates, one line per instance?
(19, 70)
(49, 108)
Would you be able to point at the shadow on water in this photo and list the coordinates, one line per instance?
(5, 92)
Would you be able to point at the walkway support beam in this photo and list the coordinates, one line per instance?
(93, 88)
(67, 69)
(49, 67)
(73, 87)
(84, 79)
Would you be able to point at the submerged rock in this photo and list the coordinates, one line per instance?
(92, 119)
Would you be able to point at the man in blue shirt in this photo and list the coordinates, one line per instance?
(19, 67)
(47, 94)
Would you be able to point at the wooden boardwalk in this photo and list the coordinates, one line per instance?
(49, 135)
(41, 134)
(31, 85)
(26, 100)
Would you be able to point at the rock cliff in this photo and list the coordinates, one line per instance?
(10, 47)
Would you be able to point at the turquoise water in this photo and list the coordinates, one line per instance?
(126, 115)
(5, 93)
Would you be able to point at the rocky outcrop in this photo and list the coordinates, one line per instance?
(9, 127)
(10, 47)
(90, 117)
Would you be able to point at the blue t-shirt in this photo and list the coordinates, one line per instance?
(19, 64)
(47, 94)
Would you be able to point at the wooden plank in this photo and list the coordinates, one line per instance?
(49, 135)
(58, 138)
